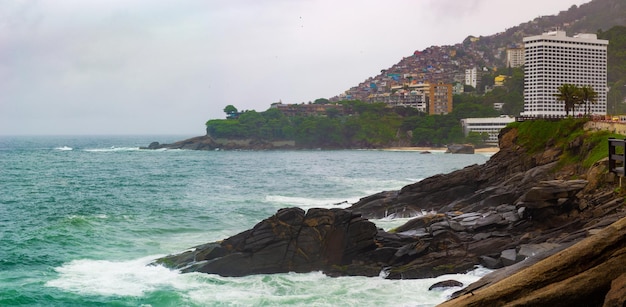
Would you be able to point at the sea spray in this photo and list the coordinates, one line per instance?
(135, 279)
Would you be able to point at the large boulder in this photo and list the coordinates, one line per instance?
(289, 241)
(551, 193)
(460, 149)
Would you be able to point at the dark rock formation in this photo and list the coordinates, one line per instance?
(290, 241)
(513, 207)
(195, 143)
(460, 149)
(206, 142)
(446, 284)
(581, 275)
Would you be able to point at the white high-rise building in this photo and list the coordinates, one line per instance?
(553, 59)
(514, 57)
(471, 77)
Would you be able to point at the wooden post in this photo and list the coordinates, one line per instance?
(612, 141)
(617, 161)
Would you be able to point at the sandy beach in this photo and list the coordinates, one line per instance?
(442, 149)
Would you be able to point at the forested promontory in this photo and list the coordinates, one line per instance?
(363, 125)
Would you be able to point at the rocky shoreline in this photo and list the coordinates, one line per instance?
(206, 142)
(510, 213)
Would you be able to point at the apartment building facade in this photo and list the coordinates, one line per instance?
(514, 57)
(553, 59)
(440, 99)
(471, 77)
(412, 95)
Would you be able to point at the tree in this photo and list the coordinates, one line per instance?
(588, 96)
(252, 122)
(569, 94)
(230, 110)
(321, 101)
(423, 136)
(333, 112)
(477, 138)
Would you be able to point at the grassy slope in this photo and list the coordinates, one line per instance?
(538, 135)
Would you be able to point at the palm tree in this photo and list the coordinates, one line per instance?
(569, 94)
(588, 96)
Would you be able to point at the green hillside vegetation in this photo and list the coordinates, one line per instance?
(616, 74)
(372, 125)
(538, 135)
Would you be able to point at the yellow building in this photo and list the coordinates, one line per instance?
(499, 80)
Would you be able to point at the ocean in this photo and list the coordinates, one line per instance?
(81, 217)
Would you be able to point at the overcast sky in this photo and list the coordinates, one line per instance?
(166, 67)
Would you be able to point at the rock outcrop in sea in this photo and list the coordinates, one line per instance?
(206, 142)
(460, 149)
(512, 212)
(289, 241)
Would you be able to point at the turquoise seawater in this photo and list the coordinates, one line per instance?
(80, 217)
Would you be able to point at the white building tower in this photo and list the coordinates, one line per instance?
(514, 57)
(553, 59)
(471, 77)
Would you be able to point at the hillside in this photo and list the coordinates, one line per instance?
(448, 63)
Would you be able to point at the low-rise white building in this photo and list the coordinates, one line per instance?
(491, 125)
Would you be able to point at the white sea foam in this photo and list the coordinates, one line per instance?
(390, 223)
(134, 278)
(111, 149)
(102, 277)
(87, 217)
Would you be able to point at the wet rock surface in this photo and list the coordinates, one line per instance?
(589, 273)
(290, 241)
(446, 284)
